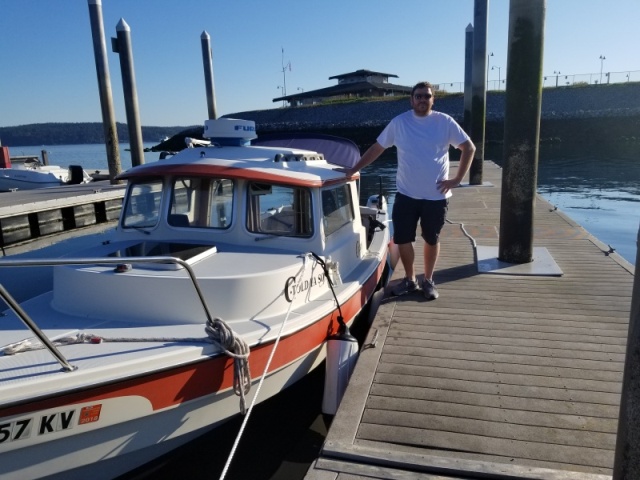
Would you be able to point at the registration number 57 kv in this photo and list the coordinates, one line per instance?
(48, 423)
(15, 430)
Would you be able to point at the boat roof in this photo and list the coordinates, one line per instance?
(299, 160)
(269, 164)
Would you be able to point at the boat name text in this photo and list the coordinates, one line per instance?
(293, 288)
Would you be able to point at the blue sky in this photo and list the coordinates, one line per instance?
(47, 66)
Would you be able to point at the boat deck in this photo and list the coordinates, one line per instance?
(504, 376)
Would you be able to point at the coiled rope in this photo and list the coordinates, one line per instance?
(236, 348)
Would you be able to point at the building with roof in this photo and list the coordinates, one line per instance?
(358, 84)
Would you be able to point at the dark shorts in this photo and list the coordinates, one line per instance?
(408, 211)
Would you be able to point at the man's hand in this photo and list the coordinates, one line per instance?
(348, 171)
(445, 185)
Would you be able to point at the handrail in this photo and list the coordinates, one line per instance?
(24, 317)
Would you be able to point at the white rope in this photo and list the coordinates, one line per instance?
(30, 344)
(264, 374)
(217, 330)
(236, 348)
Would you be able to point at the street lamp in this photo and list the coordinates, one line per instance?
(488, 65)
(556, 74)
(602, 59)
(499, 68)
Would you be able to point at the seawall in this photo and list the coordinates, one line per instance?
(583, 114)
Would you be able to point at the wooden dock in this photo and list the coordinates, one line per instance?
(27, 215)
(504, 376)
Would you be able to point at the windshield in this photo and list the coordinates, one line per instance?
(279, 210)
(142, 205)
(201, 202)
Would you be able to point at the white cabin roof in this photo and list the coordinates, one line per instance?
(269, 164)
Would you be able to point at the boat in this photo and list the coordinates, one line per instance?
(231, 265)
(27, 173)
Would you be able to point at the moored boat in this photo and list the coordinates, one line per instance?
(230, 267)
(29, 173)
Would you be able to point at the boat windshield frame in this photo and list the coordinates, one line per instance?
(141, 208)
(201, 202)
(279, 210)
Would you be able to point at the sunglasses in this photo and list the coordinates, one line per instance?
(420, 96)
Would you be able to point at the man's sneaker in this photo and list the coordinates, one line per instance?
(406, 286)
(429, 290)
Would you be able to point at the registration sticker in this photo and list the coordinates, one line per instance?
(90, 414)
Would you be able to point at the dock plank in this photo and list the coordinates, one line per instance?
(503, 375)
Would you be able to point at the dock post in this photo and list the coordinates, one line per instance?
(521, 130)
(626, 465)
(122, 46)
(207, 60)
(479, 87)
(468, 64)
(104, 84)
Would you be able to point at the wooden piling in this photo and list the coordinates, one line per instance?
(207, 61)
(479, 88)
(104, 84)
(627, 458)
(122, 46)
(468, 66)
(522, 129)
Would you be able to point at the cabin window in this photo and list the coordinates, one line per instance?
(142, 206)
(337, 208)
(279, 210)
(201, 202)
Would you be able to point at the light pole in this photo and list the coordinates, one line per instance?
(488, 65)
(602, 59)
(556, 74)
(284, 74)
(499, 68)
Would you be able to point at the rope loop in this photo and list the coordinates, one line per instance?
(235, 347)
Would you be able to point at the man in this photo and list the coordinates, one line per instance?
(422, 137)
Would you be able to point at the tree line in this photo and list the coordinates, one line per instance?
(75, 133)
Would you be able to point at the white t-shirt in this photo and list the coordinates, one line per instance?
(423, 151)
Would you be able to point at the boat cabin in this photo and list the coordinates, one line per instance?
(230, 192)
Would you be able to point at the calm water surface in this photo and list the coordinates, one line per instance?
(598, 188)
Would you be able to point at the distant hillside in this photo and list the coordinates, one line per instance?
(75, 133)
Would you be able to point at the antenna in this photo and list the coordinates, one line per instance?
(284, 74)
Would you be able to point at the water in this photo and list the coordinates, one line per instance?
(90, 156)
(599, 188)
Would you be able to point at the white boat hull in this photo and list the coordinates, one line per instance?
(230, 266)
(128, 444)
(26, 178)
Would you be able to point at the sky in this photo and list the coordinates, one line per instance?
(48, 73)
